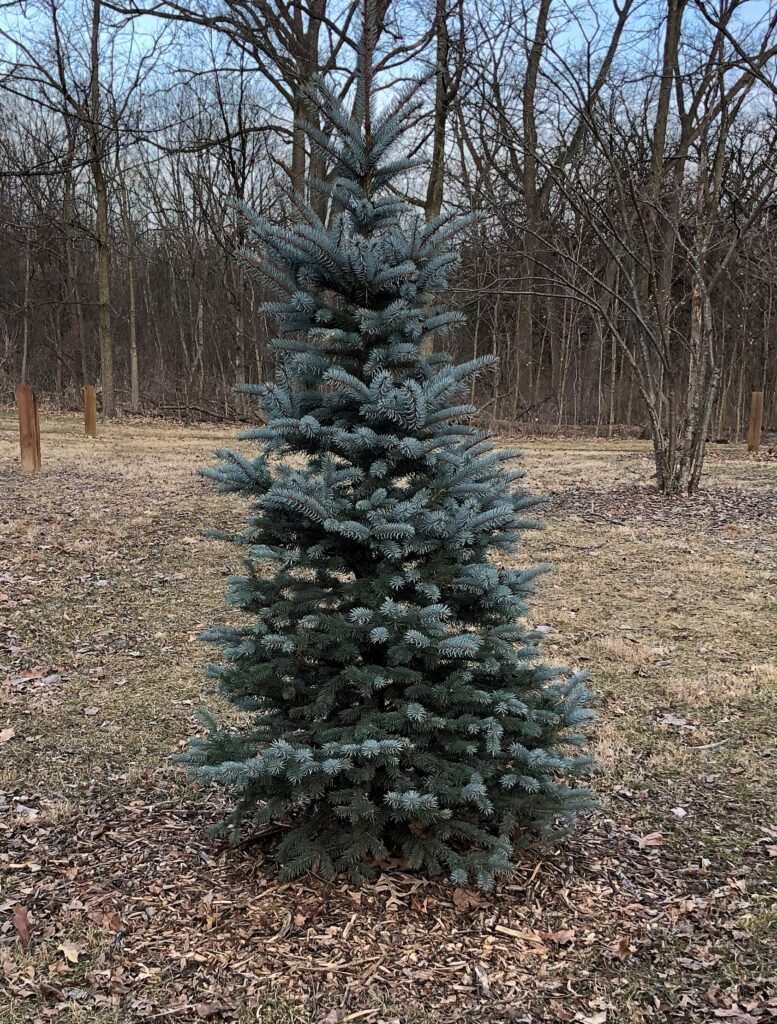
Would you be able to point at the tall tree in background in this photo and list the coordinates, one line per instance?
(670, 208)
(397, 703)
(97, 136)
(291, 45)
(448, 70)
(67, 65)
(517, 76)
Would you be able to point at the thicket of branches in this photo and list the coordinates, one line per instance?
(623, 157)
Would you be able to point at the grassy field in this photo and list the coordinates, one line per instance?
(115, 906)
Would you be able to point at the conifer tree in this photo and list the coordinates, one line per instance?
(395, 701)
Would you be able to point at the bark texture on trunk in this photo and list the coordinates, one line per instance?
(102, 222)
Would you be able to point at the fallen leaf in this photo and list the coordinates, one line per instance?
(28, 814)
(464, 901)
(653, 839)
(20, 919)
(597, 1018)
(70, 951)
(675, 722)
(559, 1011)
(335, 1016)
(212, 1009)
(109, 921)
(50, 991)
(7, 734)
(30, 673)
(563, 937)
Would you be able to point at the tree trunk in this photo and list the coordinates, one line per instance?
(75, 314)
(524, 332)
(444, 95)
(613, 378)
(26, 310)
(132, 289)
(133, 333)
(434, 189)
(239, 353)
(102, 226)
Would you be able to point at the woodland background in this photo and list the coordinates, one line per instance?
(622, 156)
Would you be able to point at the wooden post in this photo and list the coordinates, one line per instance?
(756, 419)
(90, 411)
(29, 429)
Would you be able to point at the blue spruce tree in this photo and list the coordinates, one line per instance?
(396, 703)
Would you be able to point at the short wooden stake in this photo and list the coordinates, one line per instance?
(90, 411)
(29, 429)
(756, 421)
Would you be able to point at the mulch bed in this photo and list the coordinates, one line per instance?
(713, 508)
(134, 908)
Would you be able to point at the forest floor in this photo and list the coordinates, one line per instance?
(116, 907)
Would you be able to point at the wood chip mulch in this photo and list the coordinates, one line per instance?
(129, 906)
(713, 508)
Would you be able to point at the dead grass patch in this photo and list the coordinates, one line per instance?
(752, 683)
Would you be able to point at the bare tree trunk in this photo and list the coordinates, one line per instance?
(298, 137)
(102, 226)
(766, 332)
(524, 331)
(704, 403)
(497, 374)
(600, 377)
(565, 351)
(133, 333)
(577, 380)
(442, 100)
(75, 313)
(104, 300)
(26, 310)
(131, 287)
(445, 89)
(740, 391)
(133, 315)
(152, 318)
(239, 352)
(176, 305)
(56, 333)
(613, 378)
(198, 361)
(540, 362)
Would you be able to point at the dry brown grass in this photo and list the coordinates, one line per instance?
(105, 583)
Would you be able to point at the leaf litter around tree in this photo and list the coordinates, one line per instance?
(116, 907)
